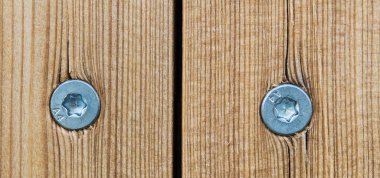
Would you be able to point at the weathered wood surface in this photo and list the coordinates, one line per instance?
(124, 49)
(234, 51)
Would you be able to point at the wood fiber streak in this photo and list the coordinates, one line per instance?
(234, 51)
(124, 49)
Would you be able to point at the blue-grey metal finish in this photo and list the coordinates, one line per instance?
(75, 104)
(286, 109)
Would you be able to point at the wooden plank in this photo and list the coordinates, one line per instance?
(234, 51)
(337, 44)
(124, 49)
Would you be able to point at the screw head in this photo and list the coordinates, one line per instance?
(286, 109)
(74, 104)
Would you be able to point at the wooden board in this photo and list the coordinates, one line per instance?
(124, 49)
(235, 51)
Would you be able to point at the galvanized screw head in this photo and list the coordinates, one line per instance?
(74, 104)
(286, 109)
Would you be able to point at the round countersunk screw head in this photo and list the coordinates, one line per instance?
(75, 104)
(286, 109)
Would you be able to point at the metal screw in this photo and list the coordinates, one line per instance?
(75, 104)
(286, 109)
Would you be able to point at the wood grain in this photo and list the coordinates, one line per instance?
(337, 43)
(124, 49)
(234, 51)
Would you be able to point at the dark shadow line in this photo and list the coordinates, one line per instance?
(287, 77)
(177, 89)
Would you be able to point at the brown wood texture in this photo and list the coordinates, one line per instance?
(235, 51)
(124, 49)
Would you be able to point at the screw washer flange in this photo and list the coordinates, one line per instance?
(283, 102)
(75, 104)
